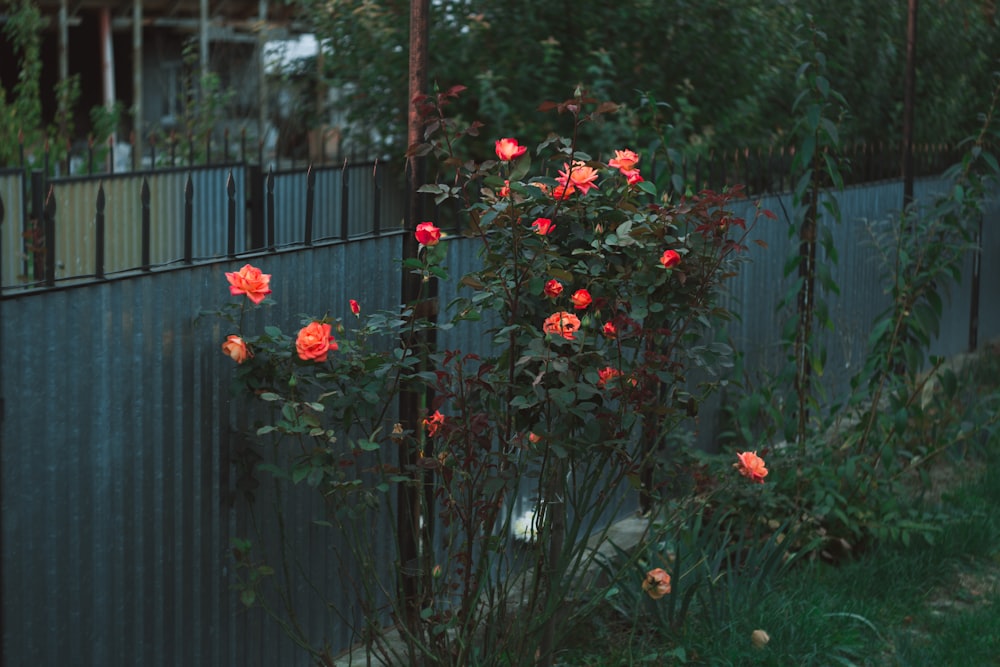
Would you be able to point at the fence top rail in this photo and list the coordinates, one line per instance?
(373, 165)
(32, 288)
(138, 173)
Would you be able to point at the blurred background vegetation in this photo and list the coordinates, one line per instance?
(723, 72)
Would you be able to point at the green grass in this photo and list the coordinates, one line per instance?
(926, 604)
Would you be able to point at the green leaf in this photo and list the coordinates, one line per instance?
(367, 445)
(521, 167)
(823, 86)
(299, 474)
(834, 172)
(647, 187)
(248, 597)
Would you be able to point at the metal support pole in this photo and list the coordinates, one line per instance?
(137, 110)
(909, 90)
(408, 515)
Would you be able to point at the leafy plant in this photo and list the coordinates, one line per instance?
(603, 293)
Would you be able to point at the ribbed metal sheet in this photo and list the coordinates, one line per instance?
(756, 292)
(11, 227)
(76, 211)
(364, 184)
(118, 483)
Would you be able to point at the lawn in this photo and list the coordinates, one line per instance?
(933, 601)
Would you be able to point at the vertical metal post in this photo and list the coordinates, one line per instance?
(408, 511)
(310, 204)
(262, 106)
(255, 179)
(108, 70)
(144, 204)
(99, 233)
(270, 209)
(377, 200)
(231, 215)
(345, 203)
(137, 109)
(49, 217)
(36, 234)
(909, 91)
(188, 221)
(977, 258)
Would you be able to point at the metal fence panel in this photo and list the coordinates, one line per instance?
(119, 482)
(118, 485)
(12, 222)
(989, 281)
(757, 291)
(211, 232)
(374, 202)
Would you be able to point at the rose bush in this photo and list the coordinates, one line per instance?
(605, 292)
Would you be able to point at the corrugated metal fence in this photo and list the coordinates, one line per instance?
(121, 448)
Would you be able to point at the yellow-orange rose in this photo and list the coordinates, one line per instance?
(624, 160)
(578, 176)
(314, 342)
(563, 324)
(236, 349)
(656, 583)
(751, 466)
(250, 281)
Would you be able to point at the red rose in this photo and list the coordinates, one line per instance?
(581, 299)
(427, 234)
(543, 226)
(508, 149)
(670, 259)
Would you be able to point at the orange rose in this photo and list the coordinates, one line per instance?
(355, 308)
(314, 342)
(624, 160)
(605, 375)
(563, 191)
(562, 323)
(632, 176)
(581, 299)
(250, 281)
(434, 423)
(578, 176)
(656, 583)
(610, 330)
(670, 259)
(751, 466)
(553, 288)
(236, 349)
(508, 149)
(427, 234)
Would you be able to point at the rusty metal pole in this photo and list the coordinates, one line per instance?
(909, 91)
(408, 514)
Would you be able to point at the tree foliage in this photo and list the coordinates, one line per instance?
(727, 69)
